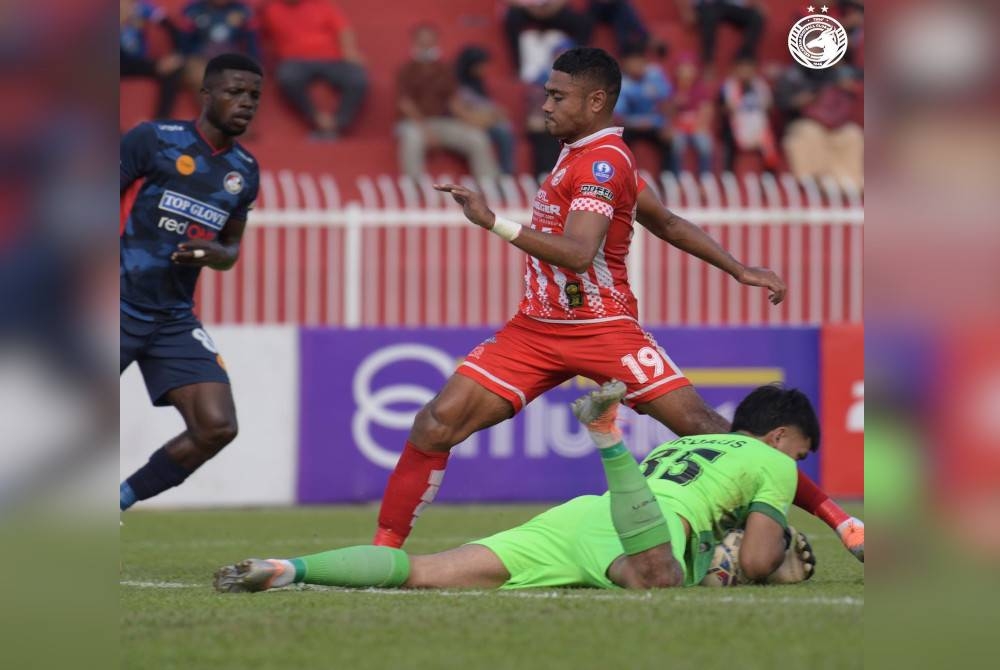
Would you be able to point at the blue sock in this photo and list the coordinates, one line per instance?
(156, 476)
(126, 496)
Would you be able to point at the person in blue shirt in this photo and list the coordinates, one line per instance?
(134, 20)
(640, 107)
(186, 189)
(213, 27)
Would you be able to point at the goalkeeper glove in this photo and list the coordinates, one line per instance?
(800, 560)
(852, 534)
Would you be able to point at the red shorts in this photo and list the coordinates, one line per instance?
(528, 357)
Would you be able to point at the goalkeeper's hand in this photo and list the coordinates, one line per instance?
(852, 534)
(799, 563)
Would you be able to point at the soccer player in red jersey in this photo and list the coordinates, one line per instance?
(578, 315)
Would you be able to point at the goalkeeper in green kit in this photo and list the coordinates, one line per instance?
(657, 526)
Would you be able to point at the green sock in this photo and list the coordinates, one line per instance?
(354, 566)
(634, 511)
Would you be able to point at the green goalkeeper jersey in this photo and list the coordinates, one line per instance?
(715, 481)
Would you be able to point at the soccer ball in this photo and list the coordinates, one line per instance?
(725, 568)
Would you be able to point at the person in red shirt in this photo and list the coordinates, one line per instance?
(310, 40)
(578, 315)
(434, 114)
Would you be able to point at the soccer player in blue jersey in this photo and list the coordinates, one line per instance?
(186, 188)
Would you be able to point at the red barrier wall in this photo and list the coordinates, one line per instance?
(842, 409)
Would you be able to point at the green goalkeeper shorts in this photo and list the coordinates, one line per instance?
(573, 544)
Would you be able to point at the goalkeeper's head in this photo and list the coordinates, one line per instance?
(783, 418)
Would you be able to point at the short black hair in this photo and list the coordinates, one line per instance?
(772, 406)
(594, 64)
(231, 61)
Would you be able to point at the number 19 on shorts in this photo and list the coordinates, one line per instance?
(646, 360)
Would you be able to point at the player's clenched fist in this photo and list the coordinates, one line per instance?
(473, 204)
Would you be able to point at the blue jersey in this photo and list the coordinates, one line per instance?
(174, 186)
(640, 100)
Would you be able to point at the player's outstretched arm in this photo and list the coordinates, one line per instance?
(574, 250)
(648, 561)
(689, 238)
(219, 254)
(814, 500)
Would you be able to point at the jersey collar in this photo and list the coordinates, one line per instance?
(215, 151)
(613, 130)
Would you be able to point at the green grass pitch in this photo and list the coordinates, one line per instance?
(171, 618)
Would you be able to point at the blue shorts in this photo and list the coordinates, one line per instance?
(170, 354)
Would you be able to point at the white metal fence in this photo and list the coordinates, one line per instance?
(402, 254)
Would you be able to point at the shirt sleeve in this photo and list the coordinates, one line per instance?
(602, 181)
(776, 488)
(138, 147)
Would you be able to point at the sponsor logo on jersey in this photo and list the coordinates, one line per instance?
(191, 230)
(203, 213)
(185, 164)
(602, 171)
(541, 204)
(557, 177)
(602, 192)
(233, 183)
(169, 127)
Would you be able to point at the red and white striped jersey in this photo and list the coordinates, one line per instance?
(595, 174)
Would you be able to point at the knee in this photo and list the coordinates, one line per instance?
(656, 572)
(478, 140)
(215, 432)
(436, 427)
(357, 78)
(289, 75)
(665, 577)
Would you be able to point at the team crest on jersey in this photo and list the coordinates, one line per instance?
(557, 177)
(603, 171)
(233, 182)
(573, 294)
(185, 165)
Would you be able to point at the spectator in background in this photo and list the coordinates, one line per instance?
(432, 112)
(478, 108)
(746, 100)
(311, 40)
(642, 101)
(134, 19)
(545, 149)
(545, 15)
(747, 15)
(852, 17)
(693, 116)
(622, 17)
(821, 138)
(214, 27)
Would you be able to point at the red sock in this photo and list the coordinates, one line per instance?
(412, 486)
(811, 498)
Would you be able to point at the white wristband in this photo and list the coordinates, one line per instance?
(505, 228)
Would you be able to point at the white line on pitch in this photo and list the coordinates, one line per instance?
(746, 599)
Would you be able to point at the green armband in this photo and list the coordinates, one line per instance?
(634, 511)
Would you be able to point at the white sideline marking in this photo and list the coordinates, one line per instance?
(537, 595)
(157, 585)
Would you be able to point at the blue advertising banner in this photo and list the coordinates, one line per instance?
(360, 389)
